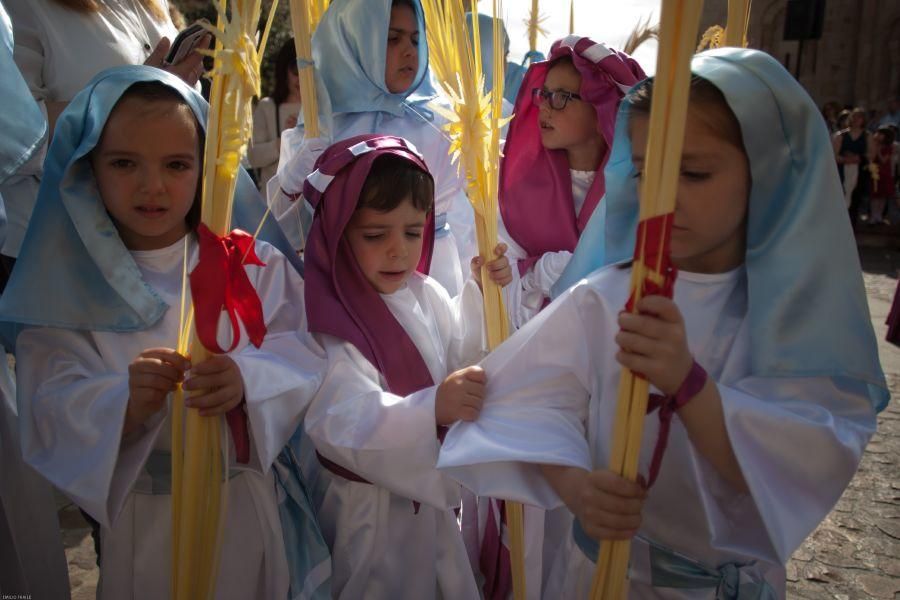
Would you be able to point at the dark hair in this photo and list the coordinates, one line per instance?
(563, 60)
(392, 180)
(703, 94)
(888, 132)
(153, 92)
(285, 60)
(407, 3)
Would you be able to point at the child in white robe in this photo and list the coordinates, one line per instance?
(551, 173)
(395, 344)
(103, 265)
(372, 60)
(770, 429)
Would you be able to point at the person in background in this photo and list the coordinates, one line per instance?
(830, 113)
(884, 163)
(892, 114)
(853, 149)
(274, 114)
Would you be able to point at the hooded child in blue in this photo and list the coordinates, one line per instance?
(372, 59)
(769, 366)
(102, 269)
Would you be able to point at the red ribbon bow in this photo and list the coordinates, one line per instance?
(219, 282)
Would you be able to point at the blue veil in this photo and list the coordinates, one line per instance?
(350, 51)
(806, 301)
(73, 270)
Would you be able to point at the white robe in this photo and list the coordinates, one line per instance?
(552, 399)
(74, 393)
(380, 547)
(526, 293)
(453, 247)
(32, 560)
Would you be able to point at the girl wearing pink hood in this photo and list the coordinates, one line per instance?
(551, 177)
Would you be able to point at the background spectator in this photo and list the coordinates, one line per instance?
(274, 114)
(854, 148)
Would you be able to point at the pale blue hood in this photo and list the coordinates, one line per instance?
(350, 49)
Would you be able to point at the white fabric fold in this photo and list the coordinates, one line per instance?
(552, 399)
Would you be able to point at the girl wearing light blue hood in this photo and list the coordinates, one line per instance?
(372, 58)
(769, 366)
(101, 270)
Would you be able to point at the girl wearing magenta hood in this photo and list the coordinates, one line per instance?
(397, 349)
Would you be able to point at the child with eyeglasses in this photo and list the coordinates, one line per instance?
(551, 177)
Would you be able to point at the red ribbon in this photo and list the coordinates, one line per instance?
(219, 282)
(652, 247)
(494, 558)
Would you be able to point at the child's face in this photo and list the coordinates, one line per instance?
(402, 50)
(387, 245)
(576, 124)
(709, 227)
(147, 167)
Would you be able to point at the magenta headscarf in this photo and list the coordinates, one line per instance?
(339, 299)
(535, 183)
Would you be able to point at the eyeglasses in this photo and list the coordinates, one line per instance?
(557, 99)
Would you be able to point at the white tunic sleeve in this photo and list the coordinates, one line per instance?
(461, 323)
(388, 440)
(526, 293)
(544, 274)
(539, 385)
(799, 442)
(280, 377)
(72, 417)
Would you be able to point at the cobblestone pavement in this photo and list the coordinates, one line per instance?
(855, 552)
(853, 555)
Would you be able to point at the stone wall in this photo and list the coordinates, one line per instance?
(857, 60)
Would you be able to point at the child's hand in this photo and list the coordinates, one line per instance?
(498, 269)
(654, 343)
(220, 378)
(152, 375)
(460, 396)
(608, 506)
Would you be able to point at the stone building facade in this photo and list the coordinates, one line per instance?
(857, 60)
